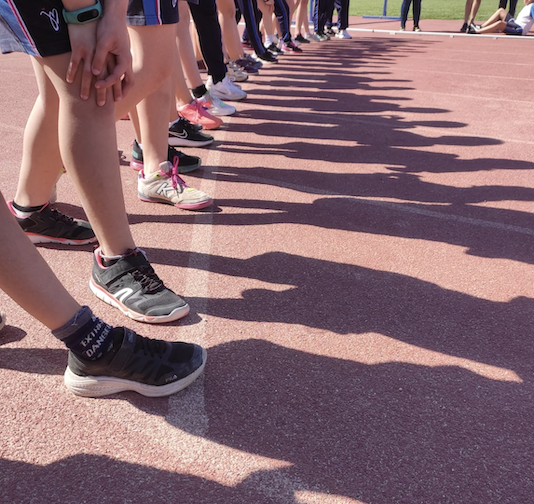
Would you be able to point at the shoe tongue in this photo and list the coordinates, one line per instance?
(166, 167)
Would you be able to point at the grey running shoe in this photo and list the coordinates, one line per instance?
(153, 368)
(132, 286)
(49, 225)
(166, 186)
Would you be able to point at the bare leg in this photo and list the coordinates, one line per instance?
(40, 142)
(474, 10)
(467, 12)
(498, 15)
(94, 172)
(26, 278)
(186, 51)
(230, 33)
(151, 48)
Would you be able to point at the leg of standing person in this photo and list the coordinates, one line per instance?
(209, 34)
(473, 13)
(343, 13)
(248, 8)
(95, 172)
(467, 13)
(184, 42)
(405, 8)
(303, 34)
(416, 14)
(282, 12)
(513, 6)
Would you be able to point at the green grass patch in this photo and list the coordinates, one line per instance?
(430, 9)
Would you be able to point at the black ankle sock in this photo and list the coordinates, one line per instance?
(86, 335)
(28, 209)
(199, 91)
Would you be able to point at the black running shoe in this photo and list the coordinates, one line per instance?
(266, 57)
(132, 286)
(49, 225)
(153, 368)
(186, 164)
(273, 48)
(301, 39)
(182, 133)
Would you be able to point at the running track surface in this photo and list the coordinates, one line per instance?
(363, 284)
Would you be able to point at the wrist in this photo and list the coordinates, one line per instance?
(83, 15)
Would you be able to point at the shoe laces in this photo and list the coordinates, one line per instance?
(176, 180)
(58, 216)
(149, 347)
(146, 276)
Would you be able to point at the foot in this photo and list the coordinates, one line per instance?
(225, 90)
(167, 187)
(49, 225)
(343, 34)
(312, 37)
(416, 29)
(184, 134)
(249, 65)
(2, 320)
(131, 285)
(303, 40)
(150, 367)
(290, 47)
(464, 28)
(266, 58)
(196, 113)
(186, 164)
(236, 73)
(216, 106)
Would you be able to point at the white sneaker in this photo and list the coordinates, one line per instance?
(216, 106)
(312, 37)
(166, 186)
(343, 34)
(235, 72)
(225, 90)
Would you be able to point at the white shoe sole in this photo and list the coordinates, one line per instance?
(140, 317)
(98, 386)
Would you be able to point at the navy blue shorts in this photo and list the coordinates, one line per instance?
(152, 12)
(37, 27)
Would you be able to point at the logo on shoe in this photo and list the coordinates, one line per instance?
(183, 134)
(53, 16)
(165, 190)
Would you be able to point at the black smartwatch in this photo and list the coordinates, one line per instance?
(85, 15)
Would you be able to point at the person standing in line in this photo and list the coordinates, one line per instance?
(416, 14)
(470, 13)
(513, 5)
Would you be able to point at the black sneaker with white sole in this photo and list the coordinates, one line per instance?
(186, 164)
(153, 368)
(266, 57)
(183, 134)
(49, 225)
(131, 285)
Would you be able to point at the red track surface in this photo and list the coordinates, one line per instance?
(364, 286)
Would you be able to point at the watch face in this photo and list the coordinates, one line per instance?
(88, 15)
